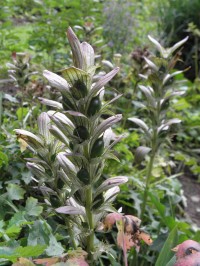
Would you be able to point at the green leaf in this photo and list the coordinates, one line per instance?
(7, 253)
(14, 253)
(30, 251)
(22, 112)
(160, 207)
(39, 234)
(15, 192)
(31, 207)
(13, 231)
(55, 248)
(3, 159)
(18, 219)
(166, 253)
(170, 222)
(172, 261)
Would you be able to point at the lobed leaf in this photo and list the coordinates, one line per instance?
(55, 248)
(15, 192)
(32, 207)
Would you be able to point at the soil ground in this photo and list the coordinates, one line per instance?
(191, 188)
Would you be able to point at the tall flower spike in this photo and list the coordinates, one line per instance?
(72, 146)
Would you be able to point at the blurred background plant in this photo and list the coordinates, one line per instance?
(177, 20)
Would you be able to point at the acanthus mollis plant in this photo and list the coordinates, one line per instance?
(159, 89)
(21, 72)
(72, 146)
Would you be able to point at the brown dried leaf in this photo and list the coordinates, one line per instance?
(47, 261)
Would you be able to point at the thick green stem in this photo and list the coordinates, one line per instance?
(1, 107)
(149, 173)
(89, 214)
(90, 221)
(22, 107)
(146, 190)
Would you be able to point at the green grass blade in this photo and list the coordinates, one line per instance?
(166, 254)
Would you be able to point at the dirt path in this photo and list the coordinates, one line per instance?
(192, 192)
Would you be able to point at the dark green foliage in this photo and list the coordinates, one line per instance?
(175, 17)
